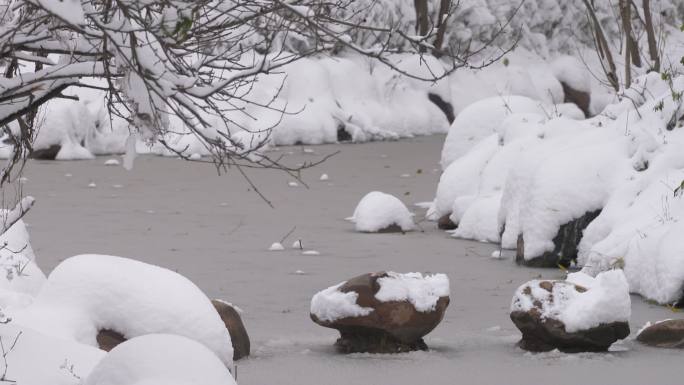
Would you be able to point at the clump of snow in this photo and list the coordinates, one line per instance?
(422, 291)
(377, 211)
(111, 162)
(331, 304)
(324, 177)
(160, 359)
(292, 184)
(311, 252)
(276, 246)
(88, 293)
(605, 300)
(92, 185)
(297, 244)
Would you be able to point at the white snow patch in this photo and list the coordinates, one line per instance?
(331, 304)
(276, 246)
(422, 291)
(111, 162)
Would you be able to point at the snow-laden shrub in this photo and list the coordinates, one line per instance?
(157, 359)
(626, 162)
(87, 293)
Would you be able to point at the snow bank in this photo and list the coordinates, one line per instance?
(21, 278)
(157, 359)
(480, 120)
(331, 304)
(605, 300)
(88, 293)
(39, 359)
(422, 291)
(377, 211)
(536, 174)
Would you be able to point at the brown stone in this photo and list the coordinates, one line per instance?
(392, 327)
(238, 334)
(445, 222)
(107, 339)
(664, 334)
(581, 99)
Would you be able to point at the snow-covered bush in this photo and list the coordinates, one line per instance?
(378, 211)
(88, 293)
(537, 174)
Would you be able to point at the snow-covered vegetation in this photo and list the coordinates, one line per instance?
(563, 124)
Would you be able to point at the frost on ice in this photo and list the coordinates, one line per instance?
(378, 211)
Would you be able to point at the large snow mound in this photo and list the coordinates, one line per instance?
(606, 300)
(160, 359)
(88, 293)
(422, 291)
(377, 211)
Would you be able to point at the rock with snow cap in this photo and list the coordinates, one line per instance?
(383, 312)
(581, 314)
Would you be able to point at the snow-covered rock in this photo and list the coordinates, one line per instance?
(378, 211)
(581, 313)
(88, 293)
(383, 312)
(156, 359)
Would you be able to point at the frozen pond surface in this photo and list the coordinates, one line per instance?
(216, 232)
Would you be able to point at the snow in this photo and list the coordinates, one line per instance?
(572, 72)
(276, 246)
(331, 304)
(39, 359)
(112, 162)
(377, 211)
(606, 300)
(480, 120)
(160, 359)
(87, 293)
(423, 291)
(324, 177)
(297, 244)
(21, 278)
(311, 252)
